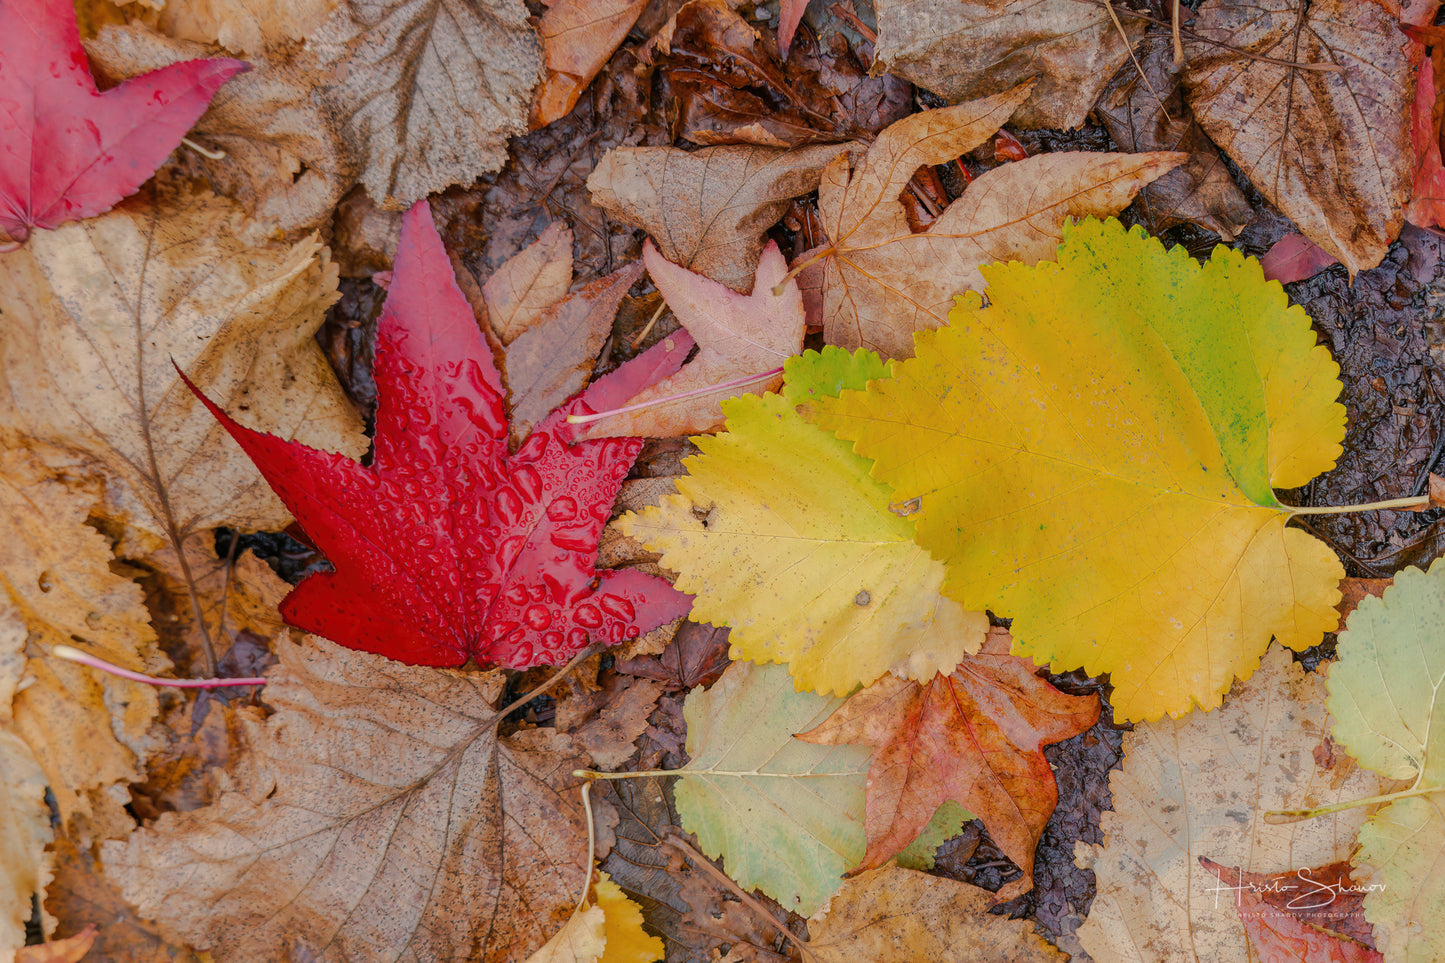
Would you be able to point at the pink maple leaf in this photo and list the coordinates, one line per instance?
(448, 546)
(68, 151)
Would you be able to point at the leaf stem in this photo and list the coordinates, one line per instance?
(70, 654)
(682, 396)
(641, 773)
(576, 660)
(204, 151)
(1413, 502)
(802, 266)
(1276, 817)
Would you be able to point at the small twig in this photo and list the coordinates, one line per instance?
(1174, 29)
(204, 152)
(698, 859)
(70, 654)
(575, 661)
(647, 328)
(1114, 16)
(1328, 68)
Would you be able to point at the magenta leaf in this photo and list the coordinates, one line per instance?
(68, 151)
(448, 546)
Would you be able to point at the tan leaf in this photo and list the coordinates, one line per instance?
(246, 26)
(962, 50)
(609, 738)
(904, 916)
(1146, 111)
(1329, 148)
(25, 831)
(737, 335)
(882, 282)
(377, 815)
(707, 210)
(578, 37)
(87, 730)
(552, 359)
(283, 155)
(427, 92)
(201, 291)
(1199, 786)
(529, 282)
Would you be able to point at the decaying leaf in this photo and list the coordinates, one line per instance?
(24, 833)
(246, 26)
(68, 151)
(428, 93)
(1200, 786)
(882, 282)
(975, 736)
(88, 731)
(519, 293)
(1146, 111)
(449, 546)
(1427, 194)
(962, 50)
(281, 154)
(607, 931)
(377, 815)
(1109, 482)
(903, 916)
(737, 335)
(577, 38)
(707, 210)
(1329, 148)
(800, 552)
(95, 314)
(1385, 696)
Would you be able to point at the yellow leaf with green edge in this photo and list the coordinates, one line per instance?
(784, 816)
(1095, 452)
(1387, 696)
(798, 552)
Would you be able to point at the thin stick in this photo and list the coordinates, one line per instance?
(1114, 16)
(702, 861)
(1412, 503)
(70, 654)
(204, 152)
(681, 396)
(1279, 816)
(641, 773)
(577, 660)
(647, 328)
(1174, 29)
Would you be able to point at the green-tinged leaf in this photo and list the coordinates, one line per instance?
(1095, 452)
(799, 552)
(785, 817)
(1387, 695)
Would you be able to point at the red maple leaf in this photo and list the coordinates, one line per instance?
(448, 547)
(68, 151)
(975, 737)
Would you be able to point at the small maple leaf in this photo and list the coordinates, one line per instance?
(737, 335)
(975, 737)
(448, 547)
(68, 151)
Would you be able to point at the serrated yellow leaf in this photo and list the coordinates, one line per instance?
(627, 942)
(800, 555)
(1095, 454)
(1387, 695)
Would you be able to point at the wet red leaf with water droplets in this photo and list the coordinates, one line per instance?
(448, 546)
(68, 151)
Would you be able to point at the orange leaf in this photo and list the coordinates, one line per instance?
(975, 737)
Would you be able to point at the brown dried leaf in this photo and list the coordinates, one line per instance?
(284, 158)
(904, 916)
(237, 312)
(1144, 113)
(962, 50)
(578, 37)
(87, 730)
(1200, 786)
(247, 26)
(427, 93)
(24, 866)
(552, 359)
(609, 738)
(737, 335)
(529, 282)
(1329, 148)
(377, 815)
(882, 282)
(707, 210)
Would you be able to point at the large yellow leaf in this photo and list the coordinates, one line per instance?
(782, 536)
(1094, 454)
